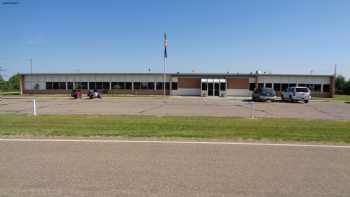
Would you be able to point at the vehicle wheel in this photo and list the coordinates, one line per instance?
(290, 98)
(306, 101)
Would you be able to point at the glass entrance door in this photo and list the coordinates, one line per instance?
(213, 87)
(210, 89)
(217, 89)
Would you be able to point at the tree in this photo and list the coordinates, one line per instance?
(346, 88)
(340, 83)
(13, 82)
(2, 83)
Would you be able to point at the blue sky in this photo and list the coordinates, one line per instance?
(276, 36)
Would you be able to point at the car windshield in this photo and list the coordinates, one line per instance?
(301, 90)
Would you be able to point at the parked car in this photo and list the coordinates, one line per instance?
(264, 94)
(296, 94)
(93, 94)
(76, 94)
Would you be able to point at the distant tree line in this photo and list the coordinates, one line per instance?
(342, 85)
(12, 84)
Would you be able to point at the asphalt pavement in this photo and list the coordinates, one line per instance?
(114, 168)
(179, 106)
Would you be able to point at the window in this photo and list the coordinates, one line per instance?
(92, 85)
(84, 85)
(174, 85)
(48, 85)
(55, 85)
(147, 85)
(268, 85)
(277, 86)
(326, 88)
(70, 85)
(62, 85)
(252, 86)
(301, 84)
(222, 86)
(81, 85)
(137, 85)
(118, 85)
(260, 85)
(317, 87)
(150, 85)
(284, 86)
(77, 85)
(292, 85)
(128, 85)
(159, 85)
(204, 86)
(99, 85)
(105, 85)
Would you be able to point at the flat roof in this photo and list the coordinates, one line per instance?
(183, 74)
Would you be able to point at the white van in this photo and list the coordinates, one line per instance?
(296, 94)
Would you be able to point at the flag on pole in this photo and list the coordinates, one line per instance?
(165, 46)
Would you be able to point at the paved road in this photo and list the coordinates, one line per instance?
(171, 169)
(178, 106)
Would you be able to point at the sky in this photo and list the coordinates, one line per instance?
(274, 36)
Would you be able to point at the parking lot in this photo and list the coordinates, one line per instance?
(178, 106)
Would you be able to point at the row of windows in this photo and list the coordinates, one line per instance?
(114, 85)
(211, 86)
(284, 86)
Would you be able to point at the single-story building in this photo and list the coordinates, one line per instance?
(182, 84)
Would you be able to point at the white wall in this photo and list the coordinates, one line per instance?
(292, 79)
(29, 84)
(186, 92)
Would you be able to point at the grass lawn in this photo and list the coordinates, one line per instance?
(345, 98)
(183, 127)
(10, 93)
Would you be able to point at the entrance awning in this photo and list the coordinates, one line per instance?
(213, 80)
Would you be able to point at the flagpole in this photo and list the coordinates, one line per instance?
(164, 65)
(165, 56)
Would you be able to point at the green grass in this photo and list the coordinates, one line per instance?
(9, 93)
(345, 98)
(183, 127)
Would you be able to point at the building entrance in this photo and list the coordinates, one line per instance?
(213, 87)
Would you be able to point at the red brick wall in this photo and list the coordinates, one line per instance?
(189, 82)
(237, 83)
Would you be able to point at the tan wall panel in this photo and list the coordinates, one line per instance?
(239, 83)
(189, 83)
